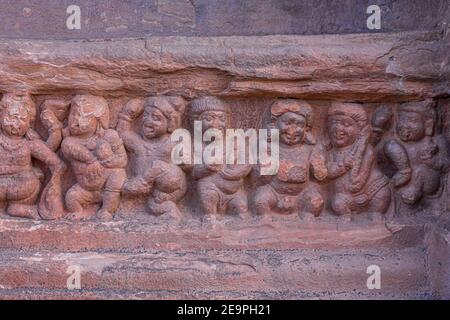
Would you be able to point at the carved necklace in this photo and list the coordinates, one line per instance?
(10, 146)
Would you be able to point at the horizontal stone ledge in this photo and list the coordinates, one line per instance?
(365, 67)
(110, 294)
(154, 234)
(262, 270)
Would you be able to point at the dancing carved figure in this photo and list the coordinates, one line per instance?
(97, 157)
(155, 175)
(289, 191)
(416, 158)
(219, 186)
(20, 185)
(357, 184)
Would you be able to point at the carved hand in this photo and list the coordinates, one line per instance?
(95, 171)
(133, 109)
(429, 151)
(297, 175)
(213, 167)
(401, 178)
(348, 161)
(49, 120)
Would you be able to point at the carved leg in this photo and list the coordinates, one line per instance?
(25, 208)
(76, 199)
(380, 203)
(425, 181)
(209, 198)
(166, 208)
(264, 200)
(111, 194)
(313, 202)
(239, 204)
(341, 203)
(431, 181)
(411, 195)
(111, 201)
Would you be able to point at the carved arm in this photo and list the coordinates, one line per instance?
(73, 150)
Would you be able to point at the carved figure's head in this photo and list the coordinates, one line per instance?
(162, 115)
(211, 111)
(381, 122)
(416, 120)
(345, 122)
(17, 113)
(89, 115)
(293, 118)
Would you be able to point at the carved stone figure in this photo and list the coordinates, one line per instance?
(289, 190)
(20, 185)
(155, 175)
(444, 142)
(219, 186)
(97, 157)
(357, 184)
(381, 123)
(416, 158)
(53, 112)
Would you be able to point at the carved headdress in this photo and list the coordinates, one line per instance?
(300, 107)
(426, 109)
(93, 106)
(171, 107)
(352, 110)
(15, 103)
(382, 119)
(208, 103)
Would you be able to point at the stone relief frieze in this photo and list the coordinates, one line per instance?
(76, 158)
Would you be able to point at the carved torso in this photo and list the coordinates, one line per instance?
(14, 158)
(294, 170)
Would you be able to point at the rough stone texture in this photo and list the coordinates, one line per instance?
(46, 19)
(438, 258)
(368, 67)
(153, 233)
(258, 260)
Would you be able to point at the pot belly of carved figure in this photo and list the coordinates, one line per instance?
(425, 182)
(14, 160)
(171, 179)
(224, 185)
(90, 176)
(287, 188)
(19, 186)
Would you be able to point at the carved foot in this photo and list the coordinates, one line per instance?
(212, 218)
(410, 197)
(172, 215)
(78, 216)
(308, 217)
(23, 211)
(345, 218)
(167, 210)
(376, 217)
(244, 215)
(264, 211)
(104, 215)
